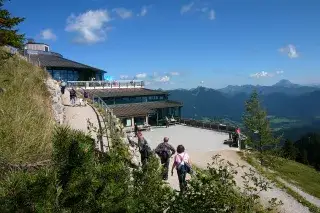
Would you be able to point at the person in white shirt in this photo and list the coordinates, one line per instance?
(183, 165)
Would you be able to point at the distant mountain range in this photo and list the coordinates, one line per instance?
(283, 86)
(283, 99)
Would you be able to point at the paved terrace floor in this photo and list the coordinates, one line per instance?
(193, 139)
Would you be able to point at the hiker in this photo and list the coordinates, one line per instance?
(144, 149)
(73, 96)
(167, 122)
(85, 96)
(136, 129)
(183, 165)
(63, 86)
(164, 150)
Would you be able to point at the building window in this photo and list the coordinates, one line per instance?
(46, 49)
(56, 74)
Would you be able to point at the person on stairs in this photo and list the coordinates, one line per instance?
(164, 150)
(63, 86)
(73, 96)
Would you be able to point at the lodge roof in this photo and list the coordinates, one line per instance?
(125, 92)
(141, 109)
(60, 62)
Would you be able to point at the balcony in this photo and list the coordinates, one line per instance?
(106, 84)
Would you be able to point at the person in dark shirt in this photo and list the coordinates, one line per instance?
(136, 129)
(144, 149)
(73, 96)
(164, 150)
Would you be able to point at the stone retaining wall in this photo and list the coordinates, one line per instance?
(56, 98)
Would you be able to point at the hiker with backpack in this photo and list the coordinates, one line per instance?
(183, 165)
(144, 149)
(164, 150)
(73, 96)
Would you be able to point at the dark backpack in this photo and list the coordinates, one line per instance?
(145, 150)
(72, 92)
(164, 155)
(85, 94)
(184, 168)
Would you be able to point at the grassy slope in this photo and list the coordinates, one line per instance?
(305, 177)
(299, 178)
(26, 122)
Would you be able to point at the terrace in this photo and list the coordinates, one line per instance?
(195, 140)
(106, 84)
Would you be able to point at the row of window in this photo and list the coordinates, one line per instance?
(65, 75)
(128, 100)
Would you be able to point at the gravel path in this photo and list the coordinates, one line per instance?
(308, 197)
(202, 144)
(76, 117)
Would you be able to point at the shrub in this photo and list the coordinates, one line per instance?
(214, 190)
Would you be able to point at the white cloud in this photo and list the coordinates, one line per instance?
(90, 26)
(261, 75)
(147, 83)
(141, 75)
(144, 11)
(290, 50)
(174, 73)
(164, 79)
(266, 74)
(123, 12)
(47, 34)
(212, 15)
(186, 8)
(123, 77)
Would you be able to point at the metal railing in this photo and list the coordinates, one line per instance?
(106, 84)
(208, 125)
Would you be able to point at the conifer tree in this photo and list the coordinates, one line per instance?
(258, 131)
(8, 33)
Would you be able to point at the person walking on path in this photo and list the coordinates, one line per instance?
(144, 149)
(183, 165)
(164, 150)
(167, 122)
(136, 129)
(73, 96)
(85, 97)
(63, 87)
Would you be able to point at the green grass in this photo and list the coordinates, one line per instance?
(26, 121)
(282, 120)
(290, 167)
(305, 177)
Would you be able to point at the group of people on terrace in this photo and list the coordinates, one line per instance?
(165, 151)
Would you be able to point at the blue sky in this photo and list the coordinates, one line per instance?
(182, 44)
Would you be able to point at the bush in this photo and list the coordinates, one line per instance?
(214, 190)
(79, 180)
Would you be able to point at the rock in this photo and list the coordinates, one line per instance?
(2, 90)
(57, 106)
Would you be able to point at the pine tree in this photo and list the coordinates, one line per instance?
(8, 33)
(289, 150)
(258, 131)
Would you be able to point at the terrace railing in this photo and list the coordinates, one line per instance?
(106, 84)
(208, 125)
